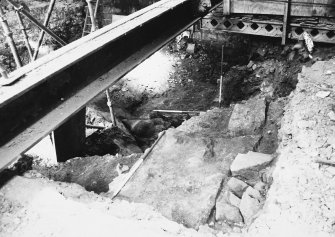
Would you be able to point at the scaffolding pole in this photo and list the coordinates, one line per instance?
(9, 37)
(45, 23)
(37, 23)
(92, 14)
(24, 33)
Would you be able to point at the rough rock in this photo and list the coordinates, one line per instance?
(251, 203)
(237, 186)
(248, 118)
(193, 174)
(233, 199)
(227, 212)
(111, 141)
(323, 94)
(190, 48)
(212, 123)
(261, 187)
(250, 64)
(229, 197)
(141, 128)
(248, 165)
(262, 51)
(331, 115)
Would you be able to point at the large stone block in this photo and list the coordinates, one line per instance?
(248, 118)
(182, 176)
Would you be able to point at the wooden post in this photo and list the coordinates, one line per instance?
(70, 137)
(110, 106)
(226, 7)
(93, 16)
(285, 21)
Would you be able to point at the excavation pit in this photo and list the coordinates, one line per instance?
(196, 175)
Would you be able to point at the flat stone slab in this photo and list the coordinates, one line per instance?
(248, 118)
(248, 165)
(182, 176)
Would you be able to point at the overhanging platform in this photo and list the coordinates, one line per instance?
(47, 92)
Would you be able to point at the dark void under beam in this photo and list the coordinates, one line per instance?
(52, 89)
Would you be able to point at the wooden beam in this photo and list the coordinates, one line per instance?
(69, 138)
(285, 21)
(52, 89)
(324, 8)
(226, 7)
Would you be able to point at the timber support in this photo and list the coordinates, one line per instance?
(70, 136)
(285, 19)
(46, 93)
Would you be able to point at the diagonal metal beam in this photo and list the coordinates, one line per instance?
(52, 89)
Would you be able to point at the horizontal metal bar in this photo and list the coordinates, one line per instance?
(57, 87)
(177, 111)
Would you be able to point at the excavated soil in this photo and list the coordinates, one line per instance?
(268, 109)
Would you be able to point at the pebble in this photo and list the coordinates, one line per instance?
(298, 46)
(323, 94)
(331, 115)
(328, 72)
(250, 64)
(291, 56)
